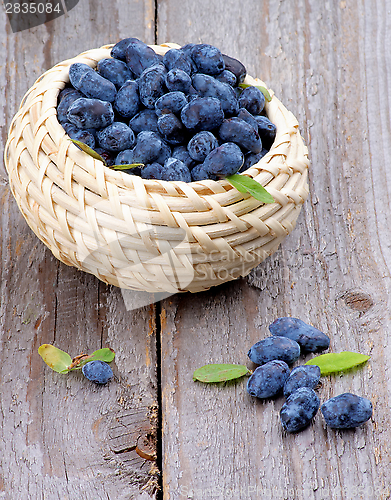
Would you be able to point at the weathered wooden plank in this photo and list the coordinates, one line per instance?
(330, 65)
(59, 433)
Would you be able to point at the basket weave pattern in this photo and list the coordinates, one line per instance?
(147, 235)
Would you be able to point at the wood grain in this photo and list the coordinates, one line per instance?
(61, 437)
(330, 66)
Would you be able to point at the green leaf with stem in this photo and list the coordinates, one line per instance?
(219, 372)
(264, 90)
(58, 360)
(106, 354)
(337, 362)
(246, 184)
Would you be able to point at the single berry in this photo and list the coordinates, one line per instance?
(268, 380)
(308, 337)
(253, 100)
(224, 161)
(274, 348)
(302, 376)
(207, 58)
(346, 411)
(97, 371)
(299, 409)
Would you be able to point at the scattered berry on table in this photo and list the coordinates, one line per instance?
(97, 371)
(299, 409)
(308, 337)
(346, 411)
(274, 348)
(268, 380)
(302, 376)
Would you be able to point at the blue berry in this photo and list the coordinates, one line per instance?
(251, 159)
(150, 148)
(177, 59)
(139, 56)
(64, 104)
(152, 171)
(302, 376)
(175, 170)
(91, 83)
(243, 114)
(268, 380)
(274, 348)
(78, 134)
(181, 153)
(116, 137)
(227, 77)
(199, 173)
(119, 49)
(90, 113)
(253, 100)
(266, 130)
(224, 161)
(144, 121)
(77, 71)
(127, 101)
(308, 337)
(152, 85)
(299, 409)
(172, 102)
(201, 144)
(346, 411)
(207, 86)
(241, 133)
(97, 371)
(236, 67)
(178, 80)
(114, 70)
(207, 58)
(204, 113)
(171, 128)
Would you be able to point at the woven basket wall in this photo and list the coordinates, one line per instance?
(147, 235)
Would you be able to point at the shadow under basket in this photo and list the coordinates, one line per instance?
(148, 235)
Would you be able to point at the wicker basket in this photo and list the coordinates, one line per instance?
(147, 235)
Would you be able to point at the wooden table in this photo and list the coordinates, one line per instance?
(63, 437)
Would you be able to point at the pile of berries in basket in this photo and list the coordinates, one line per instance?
(185, 116)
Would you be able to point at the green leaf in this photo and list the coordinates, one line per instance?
(337, 362)
(264, 90)
(246, 184)
(126, 167)
(219, 372)
(58, 360)
(106, 354)
(88, 150)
